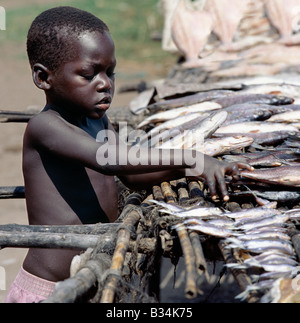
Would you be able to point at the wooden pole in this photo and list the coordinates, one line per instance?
(70, 241)
(54, 240)
(122, 244)
(191, 290)
(182, 189)
(168, 193)
(195, 190)
(14, 116)
(201, 264)
(157, 193)
(10, 192)
(295, 236)
(93, 229)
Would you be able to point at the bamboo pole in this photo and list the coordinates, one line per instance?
(191, 290)
(182, 189)
(168, 193)
(118, 259)
(201, 264)
(157, 193)
(195, 189)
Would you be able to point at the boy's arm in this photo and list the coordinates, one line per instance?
(52, 133)
(200, 166)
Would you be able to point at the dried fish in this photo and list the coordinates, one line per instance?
(182, 212)
(263, 222)
(261, 286)
(226, 21)
(255, 127)
(211, 230)
(275, 158)
(271, 255)
(188, 100)
(279, 196)
(219, 146)
(190, 32)
(174, 113)
(254, 212)
(287, 117)
(167, 125)
(282, 14)
(203, 130)
(280, 89)
(285, 175)
(265, 235)
(261, 138)
(253, 98)
(259, 246)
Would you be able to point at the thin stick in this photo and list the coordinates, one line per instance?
(14, 116)
(108, 293)
(8, 192)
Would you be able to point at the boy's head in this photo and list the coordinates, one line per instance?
(53, 32)
(72, 56)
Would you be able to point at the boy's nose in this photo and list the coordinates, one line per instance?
(103, 83)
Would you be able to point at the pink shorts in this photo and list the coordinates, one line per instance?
(28, 288)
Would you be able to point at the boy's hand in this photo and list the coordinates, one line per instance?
(214, 173)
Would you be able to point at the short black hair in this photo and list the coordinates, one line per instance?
(49, 40)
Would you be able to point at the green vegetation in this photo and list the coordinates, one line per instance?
(131, 24)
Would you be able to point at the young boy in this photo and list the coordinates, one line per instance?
(68, 180)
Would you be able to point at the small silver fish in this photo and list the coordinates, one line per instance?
(258, 246)
(281, 218)
(211, 230)
(265, 235)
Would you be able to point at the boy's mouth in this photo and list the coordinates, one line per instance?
(104, 104)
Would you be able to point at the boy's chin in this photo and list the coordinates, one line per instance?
(97, 115)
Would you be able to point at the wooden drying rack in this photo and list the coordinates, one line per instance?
(133, 245)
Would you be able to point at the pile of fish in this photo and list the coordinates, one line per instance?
(233, 38)
(261, 234)
(257, 124)
(250, 125)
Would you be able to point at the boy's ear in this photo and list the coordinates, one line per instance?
(42, 77)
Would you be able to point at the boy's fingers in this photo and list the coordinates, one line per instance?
(245, 166)
(211, 183)
(222, 187)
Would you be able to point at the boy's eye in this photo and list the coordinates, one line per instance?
(112, 75)
(89, 77)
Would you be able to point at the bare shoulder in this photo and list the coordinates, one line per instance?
(45, 126)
